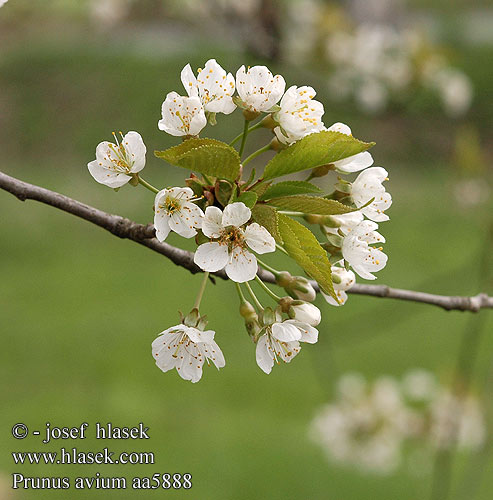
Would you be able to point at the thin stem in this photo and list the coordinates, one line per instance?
(254, 297)
(275, 272)
(201, 290)
(267, 289)
(244, 136)
(279, 247)
(251, 129)
(240, 293)
(256, 153)
(150, 187)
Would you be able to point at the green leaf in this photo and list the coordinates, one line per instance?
(267, 216)
(303, 247)
(290, 188)
(312, 151)
(311, 205)
(249, 198)
(207, 156)
(261, 188)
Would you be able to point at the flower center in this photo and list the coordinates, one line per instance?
(233, 237)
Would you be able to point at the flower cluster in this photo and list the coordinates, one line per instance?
(368, 424)
(234, 220)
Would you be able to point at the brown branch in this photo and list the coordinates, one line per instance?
(144, 235)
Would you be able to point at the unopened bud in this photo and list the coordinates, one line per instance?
(248, 311)
(314, 219)
(303, 289)
(306, 313)
(284, 279)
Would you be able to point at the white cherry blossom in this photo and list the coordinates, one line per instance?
(258, 88)
(3, 2)
(115, 163)
(362, 257)
(369, 185)
(186, 349)
(299, 115)
(213, 86)
(347, 280)
(230, 250)
(174, 210)
(182, 116)
(281, 340)
(353, 163)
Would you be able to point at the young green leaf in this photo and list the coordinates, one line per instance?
(290, 188)
(261, 188)
(249, 198)
(303, 247)
(267, 216)
(312, 151)
(311, 205)
(207, 156)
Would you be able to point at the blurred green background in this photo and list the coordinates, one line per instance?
(79, 308)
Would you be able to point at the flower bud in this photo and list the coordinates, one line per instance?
(303, 289)
(306, 313)
(248, 311)
(284, 279)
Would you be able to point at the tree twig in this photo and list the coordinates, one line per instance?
(144, 235)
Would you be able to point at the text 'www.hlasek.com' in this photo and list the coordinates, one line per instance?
(71, 455)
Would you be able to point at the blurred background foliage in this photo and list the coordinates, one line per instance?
(79, 308)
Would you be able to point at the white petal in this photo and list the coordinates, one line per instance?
(263, 355)
(341, 295)
(105, 176)
(161, 225)
(285, 332)
(212, 223)
(211, 256)
(259, 239)
(308, 333)
(179, 224)
(189, 81)
(136, 151)
(242, 265)
(341, 128)
(197, 335)
(354, 163)
(236, 214)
